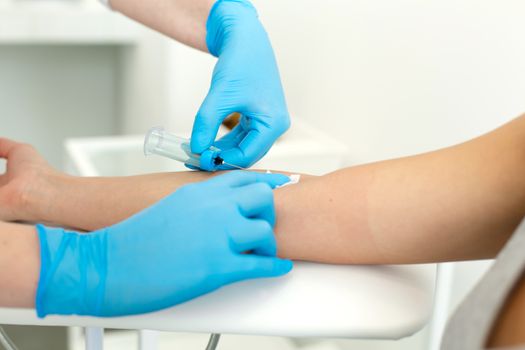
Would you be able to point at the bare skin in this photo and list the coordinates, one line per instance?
(509, 328)
(182, 20)
(19, 265)
(458, 203)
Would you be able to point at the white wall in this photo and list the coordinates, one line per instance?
(387, 77)
(144, 86)
(48, 93)
(398, 77)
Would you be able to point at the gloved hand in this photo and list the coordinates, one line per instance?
(186, 245)
(245, 80)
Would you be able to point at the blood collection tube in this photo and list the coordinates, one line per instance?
(159, 141)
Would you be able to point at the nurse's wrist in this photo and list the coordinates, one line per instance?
(63, 289)
(43, 202)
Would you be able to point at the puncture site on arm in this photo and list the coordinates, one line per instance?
(159, 141)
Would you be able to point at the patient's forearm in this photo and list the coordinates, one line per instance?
(19, 265)
(458, 203)
(91, 203)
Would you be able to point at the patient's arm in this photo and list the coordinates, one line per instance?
(90, 203)
(457, 203)
(19, 265)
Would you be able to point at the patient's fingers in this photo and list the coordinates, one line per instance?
(6, 145)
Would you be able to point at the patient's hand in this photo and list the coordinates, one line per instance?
(27, 176)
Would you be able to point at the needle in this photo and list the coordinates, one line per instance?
(232, 165)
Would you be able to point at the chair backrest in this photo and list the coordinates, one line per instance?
(469, 326)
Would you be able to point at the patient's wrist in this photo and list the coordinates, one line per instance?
(44, 200)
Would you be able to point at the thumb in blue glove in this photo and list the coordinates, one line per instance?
(245, 80)
(188, 244)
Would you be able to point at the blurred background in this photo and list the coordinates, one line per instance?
(385, 77)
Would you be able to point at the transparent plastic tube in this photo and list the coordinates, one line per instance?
(159, 141)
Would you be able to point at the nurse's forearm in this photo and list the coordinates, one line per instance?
(457, 203)
(19, 265)
(182, 20)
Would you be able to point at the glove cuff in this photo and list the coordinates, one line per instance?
(72, 272)
(223, 16)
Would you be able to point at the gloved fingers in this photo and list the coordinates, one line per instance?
(239, 178)
(225, 142)
(229, 141)
(254, 266)
(207, 122)
(256, 235)
(234, 137)
(256, 201)
(256, 143)
(207, 160)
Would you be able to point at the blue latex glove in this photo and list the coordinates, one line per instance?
(186, 245)
(245, 80)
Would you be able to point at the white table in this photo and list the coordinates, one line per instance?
(314, 300)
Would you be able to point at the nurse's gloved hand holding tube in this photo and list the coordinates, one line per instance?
(187, 244)
(245, 80)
